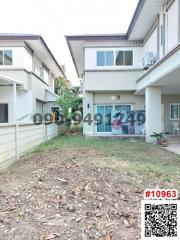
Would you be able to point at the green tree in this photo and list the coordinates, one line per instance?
(68, 99)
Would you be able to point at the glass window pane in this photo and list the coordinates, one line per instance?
(7, 57)
(108, 119)
(119, 58)
(128, 58)
(174, 111)
(3, 113)
(172, 114)
(100, 58)
(126, 107)
(109, 58)
(101, 126)
(1, 57)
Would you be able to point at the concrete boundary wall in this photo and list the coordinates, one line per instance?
(17, 139)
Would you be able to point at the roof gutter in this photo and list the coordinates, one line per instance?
(135, 17)
(71, 52)
(44, 43)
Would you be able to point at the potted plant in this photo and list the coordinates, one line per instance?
(160, 139)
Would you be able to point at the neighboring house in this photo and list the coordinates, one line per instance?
(128, 76)
(27, 73)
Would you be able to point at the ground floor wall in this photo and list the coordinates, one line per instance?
(26, 104)
(6, 97)
(17, 139)
(167, 100)
(93, 99)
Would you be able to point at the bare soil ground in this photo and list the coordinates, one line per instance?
(63, 194)
(58, 193)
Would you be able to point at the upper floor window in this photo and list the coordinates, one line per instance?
(124, 58)
(105, 58)
(114, 58)
(38, 69)
(6, 57)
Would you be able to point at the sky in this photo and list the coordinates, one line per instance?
(53, 19)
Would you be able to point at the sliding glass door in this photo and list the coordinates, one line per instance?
(119, 120)
(104, 126)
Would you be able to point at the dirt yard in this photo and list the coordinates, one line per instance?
(70, 189)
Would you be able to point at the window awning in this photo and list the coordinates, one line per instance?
(8, 81)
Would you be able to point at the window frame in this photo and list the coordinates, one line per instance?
(3, 59)
(124, 58)
(109, 51)
(110, 105)
(115, 53)
(7, 50)
(100, 51)
(36, 63)
(125, 52)
(175, 119)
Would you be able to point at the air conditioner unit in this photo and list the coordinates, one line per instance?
(148, 60)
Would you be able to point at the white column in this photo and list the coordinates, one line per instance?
(14, 113)
(153, 112)
(88, 112)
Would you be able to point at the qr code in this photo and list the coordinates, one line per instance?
(160, 220)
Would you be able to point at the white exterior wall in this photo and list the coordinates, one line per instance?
(24, 102)
(16, 140)
(153, 112)
(91, 61)
(172, 30)
(138, 102)
(161, 23)
(88, 130)
(33, 88)
(46, 76)
(94, 99)
(24, 106)
(18, 75)
(111, 81)
(6, 96)
(167, 100)
(151, 44)
(28, 61)
(21, 58)
(39, 107)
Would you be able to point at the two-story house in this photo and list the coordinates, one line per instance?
(27, 73)
(131, 82)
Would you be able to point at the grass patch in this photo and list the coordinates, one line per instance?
(140, 162)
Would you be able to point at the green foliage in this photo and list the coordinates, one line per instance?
(160, 139)
(158, 136)
(68, 98)
(60, 85)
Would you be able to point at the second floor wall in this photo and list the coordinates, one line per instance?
(163, 36)
(113, 58)
(19, 58)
